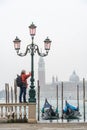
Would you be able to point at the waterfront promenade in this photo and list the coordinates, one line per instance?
(43, 126)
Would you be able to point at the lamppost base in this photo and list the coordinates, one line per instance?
(32, 94)
(32, 100)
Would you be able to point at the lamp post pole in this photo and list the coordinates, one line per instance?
(32, 48)
(32, 92)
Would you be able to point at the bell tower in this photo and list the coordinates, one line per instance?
(41, 72)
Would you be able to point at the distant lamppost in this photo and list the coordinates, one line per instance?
(32, 48)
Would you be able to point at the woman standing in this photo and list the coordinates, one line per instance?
(24, 78)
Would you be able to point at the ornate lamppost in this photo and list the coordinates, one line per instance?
(32, 48)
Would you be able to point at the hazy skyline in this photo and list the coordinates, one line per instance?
(63, 21)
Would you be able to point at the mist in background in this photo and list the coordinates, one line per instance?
(63, 21)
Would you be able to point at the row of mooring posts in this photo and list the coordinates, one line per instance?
(62, 91)
(11, 94)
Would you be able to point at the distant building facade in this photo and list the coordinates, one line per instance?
(49, 90)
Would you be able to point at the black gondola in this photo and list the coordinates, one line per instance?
(70, 112)
(48, 112)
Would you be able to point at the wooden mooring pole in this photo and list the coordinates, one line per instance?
(84, 98)
(6, 85)
(62, 100)
(78, 96)
(15, 97)
(15, 91)
(57, 95)
(38, 100)
(12, 97)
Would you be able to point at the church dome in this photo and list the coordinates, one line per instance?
(74, 77)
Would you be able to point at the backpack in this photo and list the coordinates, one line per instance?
(19, 81)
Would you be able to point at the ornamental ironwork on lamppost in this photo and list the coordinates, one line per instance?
(32, 48)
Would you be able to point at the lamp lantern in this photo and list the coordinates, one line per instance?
(32, 28)
(17, 42)
(47, 44)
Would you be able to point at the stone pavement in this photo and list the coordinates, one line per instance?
(43, 126)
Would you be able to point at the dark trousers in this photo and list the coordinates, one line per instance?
(22, 92)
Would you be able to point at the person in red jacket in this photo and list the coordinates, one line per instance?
(24, 77)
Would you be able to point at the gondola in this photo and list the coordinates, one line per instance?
(71, 112)
(48, 112)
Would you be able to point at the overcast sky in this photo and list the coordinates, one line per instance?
(63, 21)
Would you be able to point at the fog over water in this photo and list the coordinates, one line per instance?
(63, 21)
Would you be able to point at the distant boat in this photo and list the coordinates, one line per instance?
(71, 112)
(48, 112)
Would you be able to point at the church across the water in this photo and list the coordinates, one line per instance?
(49, 90)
